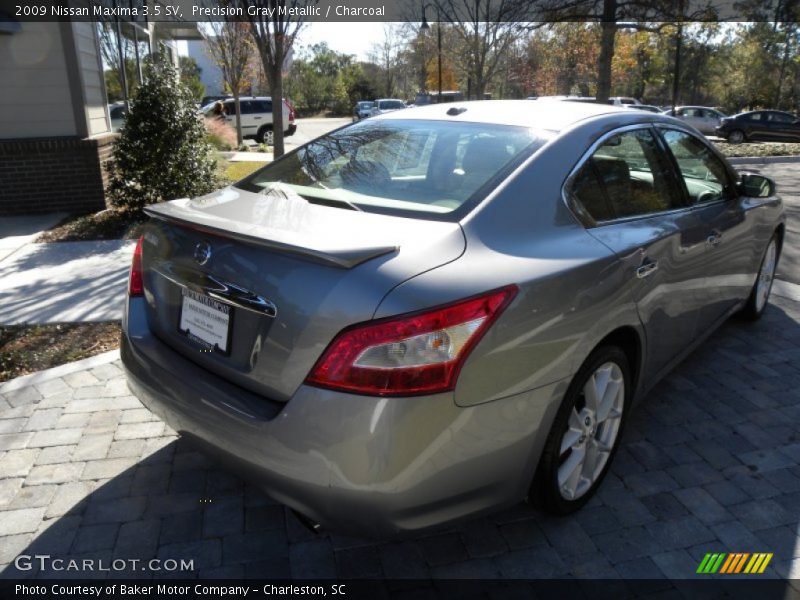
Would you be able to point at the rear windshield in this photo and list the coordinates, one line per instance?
(419, 168)
(390, 104)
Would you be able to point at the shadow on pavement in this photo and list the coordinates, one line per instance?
(708, 463)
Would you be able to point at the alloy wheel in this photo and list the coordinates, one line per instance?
(766, 275)
(592, 430)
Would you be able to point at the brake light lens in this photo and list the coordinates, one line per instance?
(136, 280)
(408, 355)
(291, 110)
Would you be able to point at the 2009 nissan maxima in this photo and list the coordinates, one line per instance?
(441, 311)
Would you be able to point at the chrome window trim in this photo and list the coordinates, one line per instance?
(578, 210)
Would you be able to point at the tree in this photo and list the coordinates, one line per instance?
(274, 30)
(161, 153)
(486, 29)
(386, 54)
(231, 46)
(615, 15)
(190, 76)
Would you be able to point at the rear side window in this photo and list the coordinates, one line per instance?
(704, 175)
(262, 106)
(627, 176)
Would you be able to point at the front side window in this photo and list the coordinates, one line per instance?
(704, 175)
(627, 176)
(399, 167)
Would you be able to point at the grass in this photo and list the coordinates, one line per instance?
(758, 149)
(234, 171)
(25, 349)
(111, 224)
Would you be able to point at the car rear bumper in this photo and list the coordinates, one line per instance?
(357, 464)
(291, 130)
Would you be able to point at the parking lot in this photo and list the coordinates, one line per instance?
(708, 463)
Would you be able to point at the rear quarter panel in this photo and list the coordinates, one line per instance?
(572, 291)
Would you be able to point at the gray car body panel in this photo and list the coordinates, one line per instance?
(381, 465)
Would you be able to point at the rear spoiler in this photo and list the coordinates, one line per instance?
(304, 246)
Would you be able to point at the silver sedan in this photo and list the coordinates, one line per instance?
(442, 311)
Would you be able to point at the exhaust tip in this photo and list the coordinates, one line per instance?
(309, 523)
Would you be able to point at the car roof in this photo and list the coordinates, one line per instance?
(544, 115)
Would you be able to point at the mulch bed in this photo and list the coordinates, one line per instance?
(25, 349)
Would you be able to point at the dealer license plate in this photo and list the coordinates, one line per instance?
(206, 320)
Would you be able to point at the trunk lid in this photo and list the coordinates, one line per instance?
(279, 276)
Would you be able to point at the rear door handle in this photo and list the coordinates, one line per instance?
(647, 269)
(256, 118)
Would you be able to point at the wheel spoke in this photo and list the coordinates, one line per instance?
(569, 474)
(591, 393)
(609, 399)
(590, 460)
(570, 438)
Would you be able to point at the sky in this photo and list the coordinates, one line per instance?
(349, 38)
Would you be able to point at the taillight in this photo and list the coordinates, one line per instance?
(413, 354)
(135, 280)
(291, 110)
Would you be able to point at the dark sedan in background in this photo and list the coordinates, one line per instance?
(760, 125)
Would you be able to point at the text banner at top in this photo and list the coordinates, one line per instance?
(464, 11)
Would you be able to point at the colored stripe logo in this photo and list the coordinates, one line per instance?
(734, 563)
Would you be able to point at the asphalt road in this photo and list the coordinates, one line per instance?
(308, 129)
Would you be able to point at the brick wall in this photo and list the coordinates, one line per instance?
(53, 174)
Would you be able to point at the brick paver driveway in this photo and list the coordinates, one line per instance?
(708, 463)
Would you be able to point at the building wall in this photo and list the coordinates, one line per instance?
(210, 73)
(35, 99)
(56, 174)
(92, 81)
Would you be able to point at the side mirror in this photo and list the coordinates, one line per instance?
(755, 186)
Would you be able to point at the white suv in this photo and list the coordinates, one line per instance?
(256, 114)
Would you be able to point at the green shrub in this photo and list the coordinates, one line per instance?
(162, 152)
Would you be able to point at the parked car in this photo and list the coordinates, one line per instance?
(702, 118)
(760, 125)
(256, 116)
(206, 100)
(622, 100)
(386, 105)
(646, 107)
(362, 109)
(437, 312)
(117, 113)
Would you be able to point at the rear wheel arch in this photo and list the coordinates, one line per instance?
(780, 231)
(628, 340)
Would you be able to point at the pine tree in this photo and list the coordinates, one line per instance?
(162, 153)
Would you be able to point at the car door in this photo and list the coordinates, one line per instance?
(781, 127)
(692, 117)
(629, 188)
(261, 114)
(711, 192)
(710, 121)
(756, 126)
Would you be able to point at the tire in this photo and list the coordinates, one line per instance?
(759, 295)
(736, 137)
(265, 135)
(553, 490)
